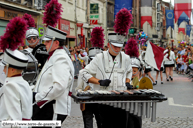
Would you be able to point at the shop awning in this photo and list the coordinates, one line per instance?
(14, 7)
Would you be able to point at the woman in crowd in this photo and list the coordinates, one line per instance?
(169, 64)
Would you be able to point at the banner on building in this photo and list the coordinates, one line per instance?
(188, 30)
(146, 12)
(94, 8)
(169, 19)
(120, 4)
(94, 13)
(181, 6)
(182, 18)
(64, 25)
(181, 30)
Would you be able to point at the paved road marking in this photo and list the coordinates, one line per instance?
(171, 102)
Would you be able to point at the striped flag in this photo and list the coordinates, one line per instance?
(181, 30)
(154, 55)
(181, 6)
(183, 17)
(146, 12)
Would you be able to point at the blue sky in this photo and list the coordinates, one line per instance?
(172, 1)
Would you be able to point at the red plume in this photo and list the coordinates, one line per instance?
(131, 48)
(14, 34)
(123, 21)
(52, 14)
(97, 37)
(30, 21)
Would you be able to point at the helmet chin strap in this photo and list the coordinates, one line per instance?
(114, 51)
(51, 44)
(136, 73)
(7, 66)
(32, 43)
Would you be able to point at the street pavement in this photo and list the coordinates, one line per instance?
(176, 112)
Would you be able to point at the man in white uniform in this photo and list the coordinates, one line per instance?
(89, 110)
(110, 70)
(54, 85)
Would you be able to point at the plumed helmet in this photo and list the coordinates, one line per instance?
(9, 42)
(93, 51)
(32, 32)
(135, 62)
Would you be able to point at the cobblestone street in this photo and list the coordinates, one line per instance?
(77, 122)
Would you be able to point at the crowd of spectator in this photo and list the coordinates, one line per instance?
(184, 59)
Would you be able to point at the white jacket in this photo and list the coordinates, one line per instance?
(55, 82)
(85, 58)
(171, 58)
(15, 99)
(29, 50)
(2, 74)
(101, 67)
(142, 59)
(81, 84)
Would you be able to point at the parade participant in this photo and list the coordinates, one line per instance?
(111, 70)
(91, 109)
(32, 37)
(157, 74)
(147, 68)
(53, 88)
(55, 81)
(131, 49)
(82, 62)
(35, 46)
(84, 58)
(15, 95)
(32, 34)
(169, 64)
(160, 71)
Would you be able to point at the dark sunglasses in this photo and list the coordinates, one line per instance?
(32, 37)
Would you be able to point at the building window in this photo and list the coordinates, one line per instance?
(166, 8)
(158, 26)
(158, 7)
(39, 4)
(158, 17)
